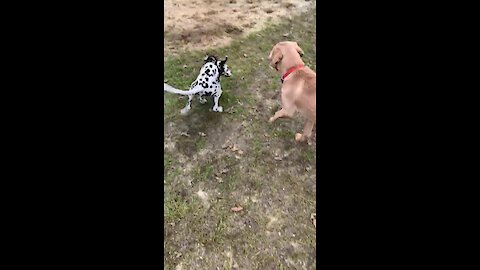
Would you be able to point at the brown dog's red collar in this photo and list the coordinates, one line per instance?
(290, 70)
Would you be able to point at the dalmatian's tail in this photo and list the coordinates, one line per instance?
(170, 89)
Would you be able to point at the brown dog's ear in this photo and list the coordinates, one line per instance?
(299, 50)
(275, 56)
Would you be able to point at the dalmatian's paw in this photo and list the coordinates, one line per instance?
(218, 109)
(184, 111)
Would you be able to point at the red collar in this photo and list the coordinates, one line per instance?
(290, 70)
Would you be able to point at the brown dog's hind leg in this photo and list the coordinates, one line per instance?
(307, 132)
(281, 113)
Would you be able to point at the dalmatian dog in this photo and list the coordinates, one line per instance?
(207, 83)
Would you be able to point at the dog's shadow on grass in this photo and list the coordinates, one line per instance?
(194, 128)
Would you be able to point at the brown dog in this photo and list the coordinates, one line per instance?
(299, 85)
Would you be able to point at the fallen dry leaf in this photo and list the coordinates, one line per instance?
(313, 218)
(202, 134)
(185, 134)
(237, 208)
(226, 145)
(238, 150)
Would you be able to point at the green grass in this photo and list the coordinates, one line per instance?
(230, 182)
(167, 160)
(200, 143)
(170, 170)
(175, 208)
(203, 173)
(309, 155)
(283, 133)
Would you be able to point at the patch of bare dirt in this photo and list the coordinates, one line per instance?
(201, 24)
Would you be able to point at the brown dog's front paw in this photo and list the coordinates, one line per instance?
(299, 137)
(271, 119)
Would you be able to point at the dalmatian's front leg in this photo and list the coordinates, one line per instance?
(216, 97)
(187, 108)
